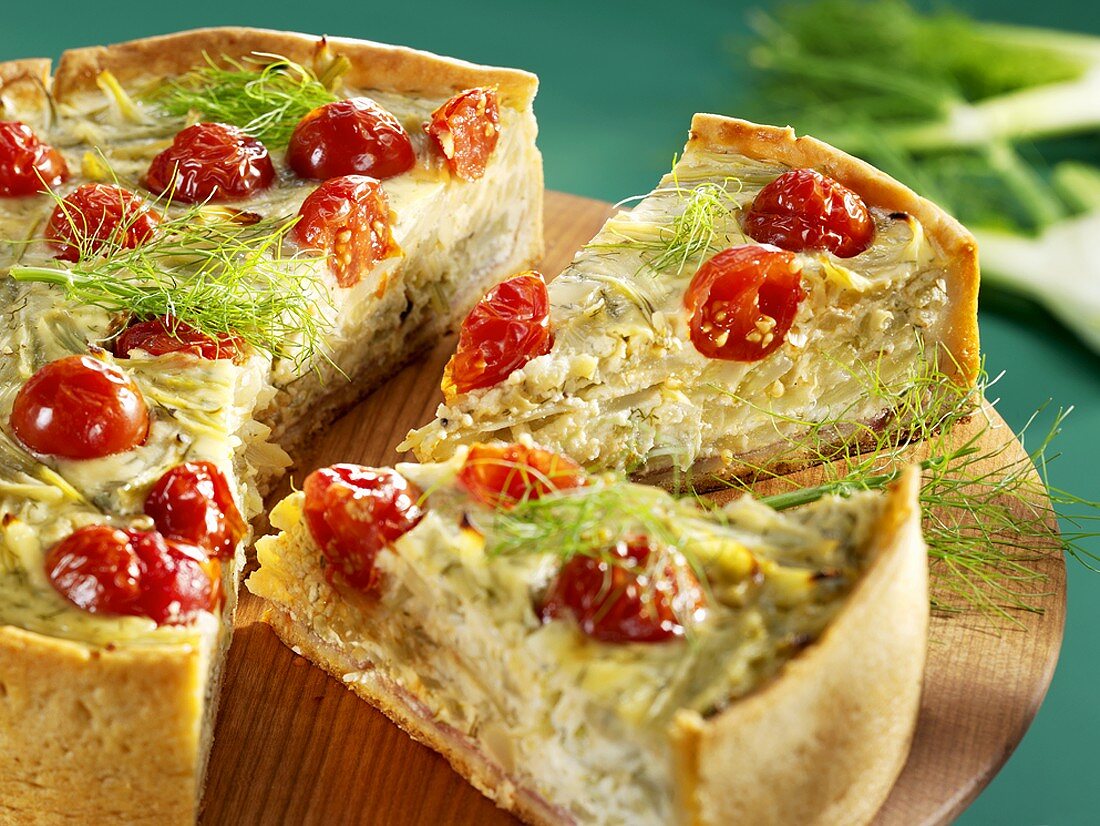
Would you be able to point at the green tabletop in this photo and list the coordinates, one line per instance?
(620, 81)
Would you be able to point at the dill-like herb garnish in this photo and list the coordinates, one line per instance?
(208, 268)
(265, 95)
(986, 518)
(689, 236)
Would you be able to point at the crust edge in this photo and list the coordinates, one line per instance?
(374, 65)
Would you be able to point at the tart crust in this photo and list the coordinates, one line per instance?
(97, 734)
(821, 743)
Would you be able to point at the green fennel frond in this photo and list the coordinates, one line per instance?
(265, 95)
(219, 270)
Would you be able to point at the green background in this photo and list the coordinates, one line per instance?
(620, 81)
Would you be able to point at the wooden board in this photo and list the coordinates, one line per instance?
(294, 746)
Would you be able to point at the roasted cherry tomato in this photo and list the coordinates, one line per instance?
(159, 336)
(27, 166)
(503, 475)
(466, 129)
(80, 407)
(353, 512)
(97, 215)
(349, 218)
(742, 302)
(192, 503)
(627, 595)
(354, 136)
(211, 161)
(804, 210)
(507, 328)
(106, 570)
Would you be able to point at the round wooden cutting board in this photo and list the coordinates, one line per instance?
(294, 746)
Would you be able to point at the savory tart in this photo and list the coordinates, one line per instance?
(584, 649)
(771, 297)
(215, 241)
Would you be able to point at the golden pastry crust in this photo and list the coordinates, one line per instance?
(374, 65)
(958, 331)
(24, 87)
(97, 735)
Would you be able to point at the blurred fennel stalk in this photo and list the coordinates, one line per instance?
(997, 123)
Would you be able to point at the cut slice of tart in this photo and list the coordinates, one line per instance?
(219, 239)
(771, 301)
(588, 650)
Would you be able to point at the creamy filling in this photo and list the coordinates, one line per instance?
(231, 414)
(582, 722)
(623, 385)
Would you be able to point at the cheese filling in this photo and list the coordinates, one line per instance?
(583, 722)
(450, 233)
(624, 386)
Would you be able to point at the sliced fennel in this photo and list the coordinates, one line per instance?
(960, 110)
(1059, 268)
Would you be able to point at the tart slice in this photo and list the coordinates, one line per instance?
(773, 300)
(588, 650)
(221, 238)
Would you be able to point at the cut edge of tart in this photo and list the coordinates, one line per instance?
(820, 739)
(647, 371)
(116, 722)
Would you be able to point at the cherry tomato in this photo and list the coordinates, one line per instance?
(804, 210)
(354, 136)
(27, 166)
(353, 512)
(626, 596)
(105, 570)
(159, 336)
(742, 302)
(466, 129)
(211, 161)
(349, 218)
(501, 476)
(507, 328)
(98, 215)
(192, 503)
(80, 407)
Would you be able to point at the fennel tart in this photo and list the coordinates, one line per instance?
(769, 303)
(587, 650)
(123, 530)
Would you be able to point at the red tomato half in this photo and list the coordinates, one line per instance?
(211, 161)
(507, 328)
(805, 210)
(627, 596)
(27, 166)
(742, 302)
(354, 136)
(106, 570)
(192, 503)
(98, 215)
(348, 218)
(80, 407)
(159, 336)
(353, 512)
(466, 129)
(501, 476)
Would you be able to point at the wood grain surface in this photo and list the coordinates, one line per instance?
(294, 746)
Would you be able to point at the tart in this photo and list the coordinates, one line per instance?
(771, 302)
(584, 649)
(199, 277)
